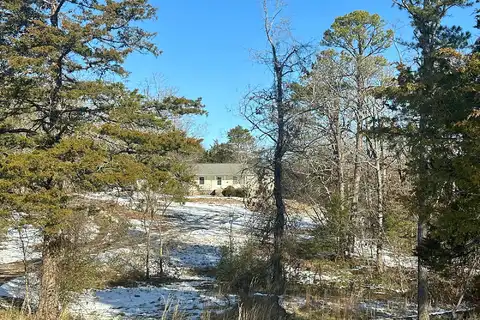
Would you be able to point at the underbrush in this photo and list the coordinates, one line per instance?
(246, 312)
(242, 271)
(352, 290)
(15, 314)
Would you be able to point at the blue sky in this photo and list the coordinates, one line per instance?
(207, 48)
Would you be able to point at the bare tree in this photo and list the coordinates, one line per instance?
(325, 151)
(272, 112)
(361, 38)
(153, 204)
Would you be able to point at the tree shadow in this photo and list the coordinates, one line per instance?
(188, 297)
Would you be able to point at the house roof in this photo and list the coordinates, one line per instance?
(221, 169)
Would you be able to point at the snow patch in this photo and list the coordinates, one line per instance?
(11, 247)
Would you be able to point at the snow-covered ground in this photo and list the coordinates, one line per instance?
(149, 301)
(16, 239)
(196, 233)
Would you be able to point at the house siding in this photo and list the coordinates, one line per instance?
(210, 182)
(244, 179)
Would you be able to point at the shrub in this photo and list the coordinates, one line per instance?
(241, 192)
(244, 271)
(228, 191)
(231, 191)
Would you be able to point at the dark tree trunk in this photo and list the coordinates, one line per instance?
(49, 304)
(147, 257)
(278, 277)
(423, 301)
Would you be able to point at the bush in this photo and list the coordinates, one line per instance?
(244, 271)
(228, 191)
(231, 191)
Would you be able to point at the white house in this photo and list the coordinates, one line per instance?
(213, 176)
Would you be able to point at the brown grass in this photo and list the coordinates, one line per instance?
(216, 200)
(14, 315)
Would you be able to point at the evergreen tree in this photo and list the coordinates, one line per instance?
(62, 128)
(453, 243)
(219, 153)
(242, 143)
(422, 114)
(361, 38)
(238, 148)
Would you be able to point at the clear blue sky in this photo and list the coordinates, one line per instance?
(207, 47)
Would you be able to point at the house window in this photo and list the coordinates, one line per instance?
(201, 180)
(219, 181)
(235, 180)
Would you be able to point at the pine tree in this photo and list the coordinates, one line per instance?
(238, 148)
(452, 245)
(55, 58)
(241, 141)
(361, 38)
(414, 97)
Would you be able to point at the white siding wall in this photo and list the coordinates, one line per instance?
(210, 182)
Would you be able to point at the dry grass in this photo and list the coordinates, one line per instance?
(15, 314)
(215, 200)
(299, 208)
(253, 312)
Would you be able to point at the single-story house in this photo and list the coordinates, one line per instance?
(213, 176)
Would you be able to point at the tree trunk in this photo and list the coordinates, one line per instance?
(360, 88)
(48, 307)
(422, 277)
(277, 263)
(343, 240)
(161, 256)
(26, 305)
(147, 257)
(380, 213)
(340, 156)
(149, 237)
(278, 277)
(356, 187)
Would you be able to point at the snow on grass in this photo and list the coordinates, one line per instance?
(391, 259)
(15, 288)
(11, 247)
(196, 233)
(202, 229)
(148, 301)
(367, 249)
(397, 309)
(199, 231)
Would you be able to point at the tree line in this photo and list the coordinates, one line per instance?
(385, 152)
